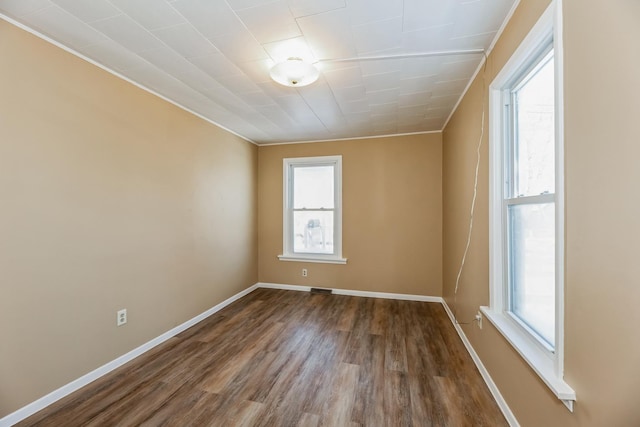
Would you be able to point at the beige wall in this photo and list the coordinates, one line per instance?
(602, 103)
(110, 198)
(392, 220)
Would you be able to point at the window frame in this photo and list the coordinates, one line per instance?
(547, 362)
(288, 253)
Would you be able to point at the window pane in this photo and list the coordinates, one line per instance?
(313, 232)
(313, 187)
(535, 139)
(532, 266)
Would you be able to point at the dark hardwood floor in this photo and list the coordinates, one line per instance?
(287, 358)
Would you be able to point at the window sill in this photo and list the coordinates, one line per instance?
(539, 361)
(311, 258)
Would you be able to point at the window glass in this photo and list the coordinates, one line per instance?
(313, 232)
(532, 266)
(534, 132)
(530, 215)
(313, 187)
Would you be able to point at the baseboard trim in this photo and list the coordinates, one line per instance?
(493, 388)
(54, 396)
(366, 294)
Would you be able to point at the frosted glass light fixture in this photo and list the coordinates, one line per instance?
(294, 72)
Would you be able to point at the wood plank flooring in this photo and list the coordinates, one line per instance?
(287, 358)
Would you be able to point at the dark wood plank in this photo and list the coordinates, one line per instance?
(286, 358)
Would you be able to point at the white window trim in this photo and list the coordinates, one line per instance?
(549, 365)
(287, 242)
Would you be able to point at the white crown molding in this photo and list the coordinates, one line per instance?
(350, 139)
(482, 61)
(118, 75)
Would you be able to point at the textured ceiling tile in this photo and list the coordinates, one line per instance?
(215, 64)
(240, 47)
(185, 40)
(110, 52)
(350, 94)
(457, 85)
(17, 8)
(459, 69)
(475, 41)
(199, 53)
(320, 99)
(417, 84)
(127, 32)
(151, 14)
(244, 4)
(257, 71)
(380, 66)
(417, 110)
(419, 14)
(364, 11)
(199, 80)
(384, 81)
(64, 27)
(467, 13)
(270, 22)
(421, 67)
(378, 36)
(357, 106)
(301, 8)
(413, 99)
(343, 78)
(329, 34)
(165, 59)
(256, 98)
(211, 18)
(430, 39)
(240, 82)
(89, 11)
(388, 108)
(296, 47)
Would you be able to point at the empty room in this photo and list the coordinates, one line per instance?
(319, 213)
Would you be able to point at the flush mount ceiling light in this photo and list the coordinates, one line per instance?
(294, 72)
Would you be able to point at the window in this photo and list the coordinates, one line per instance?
(312, 210)
(526, 204)
(529, 198)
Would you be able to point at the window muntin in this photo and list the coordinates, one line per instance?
(312, 209)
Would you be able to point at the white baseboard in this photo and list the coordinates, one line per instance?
(493, 388)
(69, 388)
(366, 294)
(54, 396)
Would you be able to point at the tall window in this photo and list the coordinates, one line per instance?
(312, 209)
(529, 198)
(526, 203)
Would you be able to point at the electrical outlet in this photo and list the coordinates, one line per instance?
(305, 273)
(121, 317)
(479, 319)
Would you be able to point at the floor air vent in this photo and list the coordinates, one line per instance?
(321, 291)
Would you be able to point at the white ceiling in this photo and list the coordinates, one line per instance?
(213, 57)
